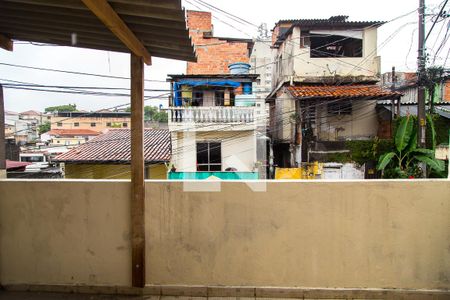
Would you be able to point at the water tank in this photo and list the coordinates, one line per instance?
(246, 88)
(239, 68)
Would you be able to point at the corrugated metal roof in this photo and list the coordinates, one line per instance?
(369, 92)
(412, 110)
(115, 147)
(340, 21)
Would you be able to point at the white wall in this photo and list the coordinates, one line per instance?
(238, 149)
(297, 61)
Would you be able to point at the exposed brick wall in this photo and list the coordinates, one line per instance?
(213, 55)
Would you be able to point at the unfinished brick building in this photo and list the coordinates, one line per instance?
(214, 54)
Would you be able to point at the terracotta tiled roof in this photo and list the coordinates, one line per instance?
(114, 146)
(369, 92)
(73, 132)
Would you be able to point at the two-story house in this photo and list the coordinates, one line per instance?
(213, 111)
(324, 86)
(96, 121)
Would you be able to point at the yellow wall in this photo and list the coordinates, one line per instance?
(110, 171)
(358, 234)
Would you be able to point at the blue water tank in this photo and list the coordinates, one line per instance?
(239, 68)
(246, 88)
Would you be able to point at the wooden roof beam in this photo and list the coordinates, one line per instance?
(111, 19)
(6, 43)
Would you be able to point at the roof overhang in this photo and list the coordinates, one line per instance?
(145, 28)
(234, 77)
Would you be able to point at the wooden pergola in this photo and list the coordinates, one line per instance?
(144, 28)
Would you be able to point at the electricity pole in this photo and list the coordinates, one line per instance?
(421, 117)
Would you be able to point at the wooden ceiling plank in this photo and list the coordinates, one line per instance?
(72, 4)
(63, 29)
(36, 35)
(47, 27)
(109, 17)
(62, 42)
(146, 31)
(6, 43)
(152, 3)
(149, 12)
(21, 8)
(138, 20)
(90, 35)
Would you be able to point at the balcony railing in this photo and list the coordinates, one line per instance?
(214, 114)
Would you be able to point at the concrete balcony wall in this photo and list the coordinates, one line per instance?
(65, 232)
(212, 118)
(354, 234)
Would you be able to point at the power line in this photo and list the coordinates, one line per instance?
(74, 72)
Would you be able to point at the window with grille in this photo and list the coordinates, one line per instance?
(209, 156)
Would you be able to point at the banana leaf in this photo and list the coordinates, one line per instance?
(427, 152)
(384, 160)
(435, 164)
(403, 134)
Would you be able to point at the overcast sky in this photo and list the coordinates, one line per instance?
(399, 50)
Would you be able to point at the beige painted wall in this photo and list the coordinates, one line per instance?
(362, 123)
(284, 110)
(368, 65)
(367, 234)
(85, 123)
(315, 234)
(61, 232)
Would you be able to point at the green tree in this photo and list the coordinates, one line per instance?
(152, 113)
(66, 107)
(44, 127)
(404, 161)
(433, 77)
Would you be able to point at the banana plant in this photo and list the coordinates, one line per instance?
(406, 155)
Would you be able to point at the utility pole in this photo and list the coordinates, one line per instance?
(393, 100)
(421, 117)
